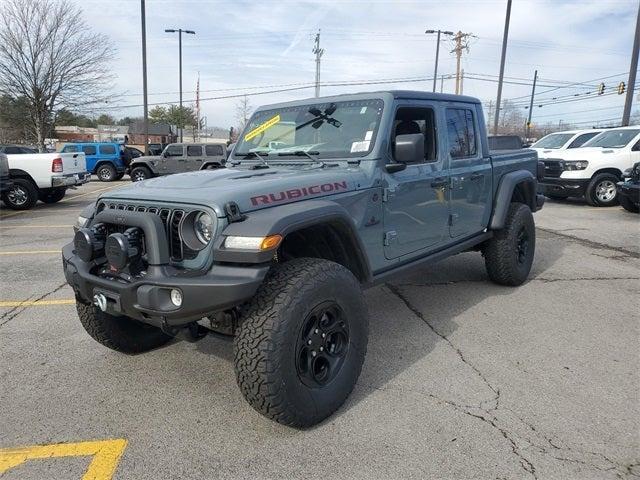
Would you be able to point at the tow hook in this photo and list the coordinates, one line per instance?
(190, 333)
(100, 301)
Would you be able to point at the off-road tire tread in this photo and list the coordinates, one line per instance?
(628, 205)
(114, 173)
(261, 332)
(121, 334)
(499, 251)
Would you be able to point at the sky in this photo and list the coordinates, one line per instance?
(256, 46)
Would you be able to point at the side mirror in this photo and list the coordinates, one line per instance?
(409, 148)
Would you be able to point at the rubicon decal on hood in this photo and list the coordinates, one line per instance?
(294, 193)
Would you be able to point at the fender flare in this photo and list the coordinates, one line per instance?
(284, 219)
(504, 193)
(19, 173)
(143, 163)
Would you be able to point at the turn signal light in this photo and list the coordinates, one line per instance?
(270, 242)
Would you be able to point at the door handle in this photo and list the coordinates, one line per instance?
(477, 176)
(439, 183)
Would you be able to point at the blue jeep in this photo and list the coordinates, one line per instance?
(107, 160)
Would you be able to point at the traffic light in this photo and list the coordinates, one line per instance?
(601, 89)
(621, 87)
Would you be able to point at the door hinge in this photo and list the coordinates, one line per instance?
(385, 194)
(389, 237)
(453, 218)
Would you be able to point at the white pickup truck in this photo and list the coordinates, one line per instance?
(593, 169)
(44, 177)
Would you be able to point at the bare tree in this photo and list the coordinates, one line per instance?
(243, 112)
(49, 56)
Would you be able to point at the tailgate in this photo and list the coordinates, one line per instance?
(73, 163)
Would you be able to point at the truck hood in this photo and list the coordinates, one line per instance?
(250, 189)
(584, 153)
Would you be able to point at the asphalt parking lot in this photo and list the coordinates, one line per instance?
(463, 378)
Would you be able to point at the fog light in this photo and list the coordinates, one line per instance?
(176, 297)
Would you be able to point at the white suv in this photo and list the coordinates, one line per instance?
(593, 169)
(550, 145)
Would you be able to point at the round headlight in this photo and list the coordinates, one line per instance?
(203, 226)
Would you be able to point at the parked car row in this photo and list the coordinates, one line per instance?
(588, 163)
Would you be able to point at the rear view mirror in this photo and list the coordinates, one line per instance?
(409, 148)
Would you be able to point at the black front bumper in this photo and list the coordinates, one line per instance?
(629, 190)
(563, 186)
(148, 299)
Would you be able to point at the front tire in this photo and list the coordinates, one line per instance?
(52, 195)
(628, 205)
(302, 342)
(509, 254)
(106, 173)
(602, 191)
(138, 174)
(122, 334)
(23, 195)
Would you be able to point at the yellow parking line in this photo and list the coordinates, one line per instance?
(30, 252)
(36, 226)
(89, 193)
(37, 303)
(106, 455)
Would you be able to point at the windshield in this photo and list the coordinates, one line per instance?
(325, 130)
(612, 138)
(555, 140)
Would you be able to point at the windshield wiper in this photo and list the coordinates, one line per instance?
(302, 153)
(254, 154)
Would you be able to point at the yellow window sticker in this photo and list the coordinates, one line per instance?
(261, 128)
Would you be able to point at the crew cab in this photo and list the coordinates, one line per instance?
(107, 160)
(594, 169)
(44, 177)
(179, 158)
(551, 145)
(320, 199)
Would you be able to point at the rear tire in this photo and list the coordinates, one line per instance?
(628, 205)
(23, 194)
(302, 343)
(509, 254)
(52, 195)
(602, 191)
(138, 174)
(106, 172)
(122, 334)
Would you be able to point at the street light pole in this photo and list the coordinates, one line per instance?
(435, 70)
(179, 30)
(144, 78)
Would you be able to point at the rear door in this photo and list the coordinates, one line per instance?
(470, 187)
(193, 160)
(90, 154)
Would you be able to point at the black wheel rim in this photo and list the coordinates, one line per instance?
(523, 245)
(322, 345)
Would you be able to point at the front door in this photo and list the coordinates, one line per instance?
(471, 174)
(172, 160)
(415, 202)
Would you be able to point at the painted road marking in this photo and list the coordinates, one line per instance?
(31, 252)
(37, 303)
(106, 455)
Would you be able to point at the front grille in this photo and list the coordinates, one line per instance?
(171, 219)
(553, 168)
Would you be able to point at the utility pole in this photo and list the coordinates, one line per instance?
(461, 43)
(490, 111)
(435, 70)
(533, 92)
(318, 53)
(441, 83)
(180, 31)
(502, 60)
(461, 81)
(631, 84)
(145, 100)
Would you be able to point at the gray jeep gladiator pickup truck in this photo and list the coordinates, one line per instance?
(320, 199)
(178, 158)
